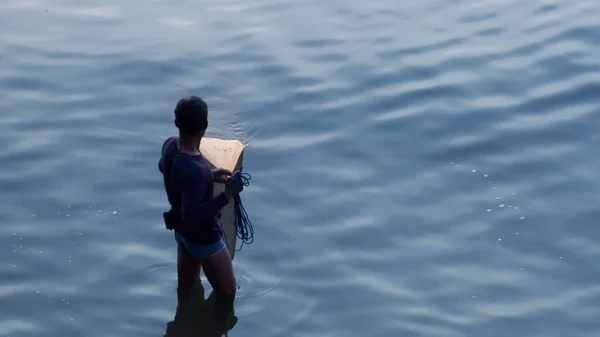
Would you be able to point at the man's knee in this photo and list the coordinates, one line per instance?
(187, 282)
(228, 291)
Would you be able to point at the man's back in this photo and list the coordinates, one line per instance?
(189, 186)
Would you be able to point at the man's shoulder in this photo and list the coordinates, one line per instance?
(189, 165)
(169, 145)
(170, 141)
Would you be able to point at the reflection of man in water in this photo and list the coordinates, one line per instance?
(196, 316)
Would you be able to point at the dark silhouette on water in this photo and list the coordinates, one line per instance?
(196, 315)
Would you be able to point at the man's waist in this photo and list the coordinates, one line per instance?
(174, 220)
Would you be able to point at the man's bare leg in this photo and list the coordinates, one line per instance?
(188, 269)
(219, 272)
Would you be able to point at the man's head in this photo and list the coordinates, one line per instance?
(191, 116)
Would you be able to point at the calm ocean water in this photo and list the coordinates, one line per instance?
(420, 168)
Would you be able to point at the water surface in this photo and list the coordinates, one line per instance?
(420, 168)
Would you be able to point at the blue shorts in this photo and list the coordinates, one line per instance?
(200, 251)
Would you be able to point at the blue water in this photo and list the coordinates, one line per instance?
(420, 168)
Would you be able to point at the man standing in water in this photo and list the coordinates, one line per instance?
(189, 184)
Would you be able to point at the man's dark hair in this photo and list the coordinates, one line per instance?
(191, 115)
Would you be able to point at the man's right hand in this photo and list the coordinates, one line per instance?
(232, 188)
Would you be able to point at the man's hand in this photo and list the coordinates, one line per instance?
(232, 188)
(221, 175)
